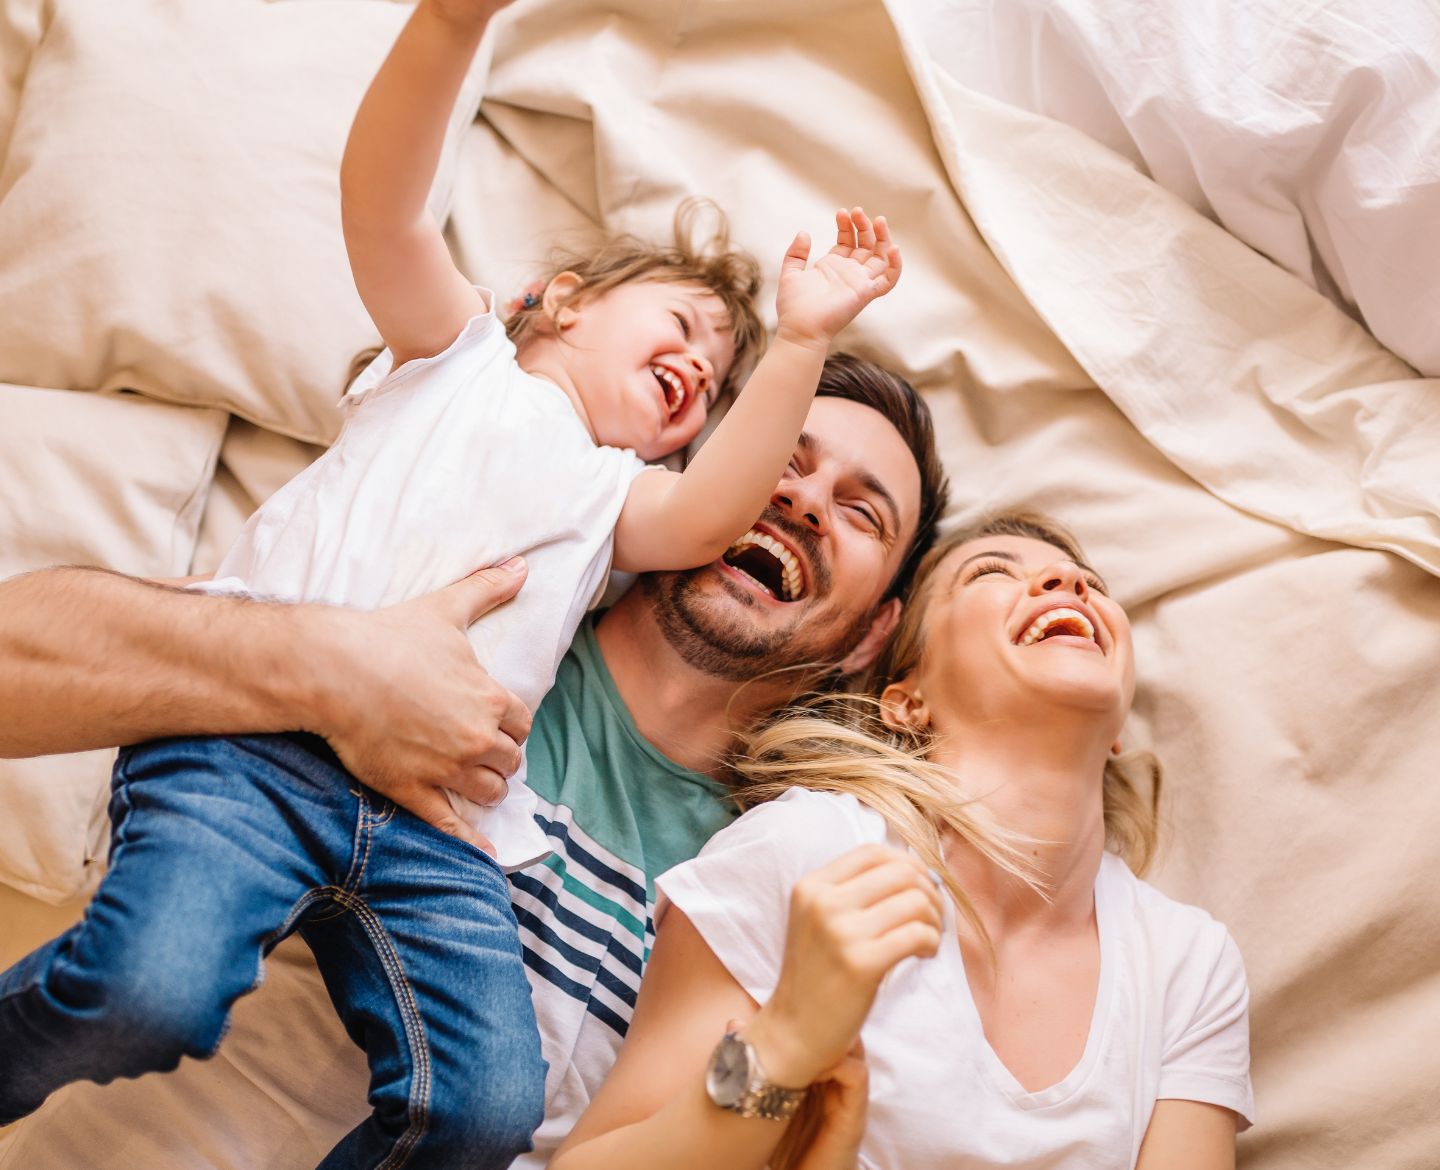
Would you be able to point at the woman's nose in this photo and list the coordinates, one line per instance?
(1062, 575)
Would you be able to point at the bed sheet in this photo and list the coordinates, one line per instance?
(1309, 131)
(1243, 460)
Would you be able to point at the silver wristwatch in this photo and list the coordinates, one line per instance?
(736, 1081)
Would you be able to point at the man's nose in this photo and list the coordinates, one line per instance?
(802, 500)
(1060, 576)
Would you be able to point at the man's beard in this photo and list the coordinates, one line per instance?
(713, 636)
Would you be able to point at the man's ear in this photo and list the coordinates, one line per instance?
(881, 627)
(559, 297)
(903, 708)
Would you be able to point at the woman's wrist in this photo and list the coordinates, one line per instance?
(785, 1056)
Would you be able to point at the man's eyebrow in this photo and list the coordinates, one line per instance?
(867, 479)
(1001, 555)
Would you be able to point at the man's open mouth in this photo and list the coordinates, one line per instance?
(769, 564)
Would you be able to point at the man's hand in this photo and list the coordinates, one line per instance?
(815, 303)
(410, 711)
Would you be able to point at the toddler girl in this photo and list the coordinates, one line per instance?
(461, 448)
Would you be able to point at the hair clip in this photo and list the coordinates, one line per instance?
(528, 299)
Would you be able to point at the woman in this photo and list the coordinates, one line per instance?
(1068, 1015)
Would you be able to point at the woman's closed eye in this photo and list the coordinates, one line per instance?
(981, 568)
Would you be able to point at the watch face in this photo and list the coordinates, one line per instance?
(729, 1073)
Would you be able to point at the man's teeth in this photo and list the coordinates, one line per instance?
(675, 398)
(792, 578)
(1073, 617)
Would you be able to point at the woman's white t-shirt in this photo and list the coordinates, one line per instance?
(444, 466)
(1170, 1021)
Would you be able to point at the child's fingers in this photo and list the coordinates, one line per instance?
(864, 229)
(797, 253)
(844, 229)
(885, 280)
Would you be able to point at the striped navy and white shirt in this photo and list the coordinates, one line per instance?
(617, 814)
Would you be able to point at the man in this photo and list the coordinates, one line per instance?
(625, 756)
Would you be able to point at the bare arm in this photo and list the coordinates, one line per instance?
(1191, 1134)
(93, 659)
(402, 268)
(850, 922)
(679, 521)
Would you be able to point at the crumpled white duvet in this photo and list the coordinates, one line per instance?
(1310, 131)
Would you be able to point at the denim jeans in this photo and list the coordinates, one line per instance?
(221, 848)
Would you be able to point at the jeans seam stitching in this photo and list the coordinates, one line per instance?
(360, 855)
(419, 1099)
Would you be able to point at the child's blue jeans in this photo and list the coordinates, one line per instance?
(221, 848)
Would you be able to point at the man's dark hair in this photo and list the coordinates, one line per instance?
(849, 377)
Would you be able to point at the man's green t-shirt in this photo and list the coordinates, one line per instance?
(617, 813)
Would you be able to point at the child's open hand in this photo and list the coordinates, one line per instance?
(815, 303)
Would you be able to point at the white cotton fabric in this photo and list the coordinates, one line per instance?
(1171, 1014)
(1309, 131)
(444, 466)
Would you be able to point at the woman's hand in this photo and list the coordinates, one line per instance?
(841, 1101)
(814, 303)
(850, 922)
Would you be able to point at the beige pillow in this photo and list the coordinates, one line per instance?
(112, 480)
(169, 207)
(22, 22)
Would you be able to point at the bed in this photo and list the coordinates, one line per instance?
(1254, 471)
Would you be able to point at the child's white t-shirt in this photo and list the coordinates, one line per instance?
(444, 466)
(1171, 1015)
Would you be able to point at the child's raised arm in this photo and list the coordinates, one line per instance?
(682, 521)
(410, 286)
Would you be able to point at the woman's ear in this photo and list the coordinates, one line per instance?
(559, 297)
(903, 707)
(1116, 748)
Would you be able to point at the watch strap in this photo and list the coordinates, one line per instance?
(771, 1102)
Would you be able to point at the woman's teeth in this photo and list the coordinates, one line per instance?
(1071, 620)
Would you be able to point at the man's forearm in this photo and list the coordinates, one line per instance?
(94, 659)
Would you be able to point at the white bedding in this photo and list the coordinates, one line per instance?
(1309, 131)
(1254, 473)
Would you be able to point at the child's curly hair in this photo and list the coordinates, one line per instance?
(713, 264)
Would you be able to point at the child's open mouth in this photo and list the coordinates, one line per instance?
(672, 387)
